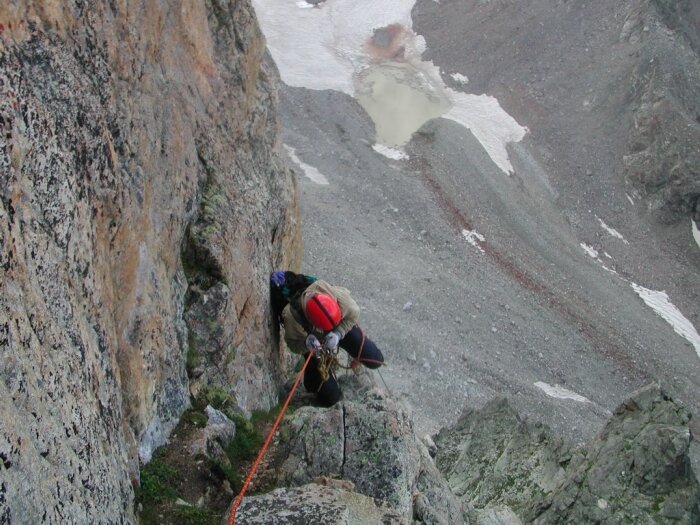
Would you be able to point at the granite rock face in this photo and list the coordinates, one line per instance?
(498, 463)
(315, 504)
(139, 176)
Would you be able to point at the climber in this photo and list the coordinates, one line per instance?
(319, 317)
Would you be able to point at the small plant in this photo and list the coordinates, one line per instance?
(157, 480)
(218, 398)
(242, 448)
(231, 354)
(246, 442)
(195, 418)
(191, 360)
(195, 516)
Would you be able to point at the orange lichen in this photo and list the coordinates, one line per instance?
(388, 43)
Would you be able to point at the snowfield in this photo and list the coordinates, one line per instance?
(327, 46)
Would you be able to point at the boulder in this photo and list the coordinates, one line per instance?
(209, 442)
(314, 504)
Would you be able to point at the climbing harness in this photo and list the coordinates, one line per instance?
(254, 468)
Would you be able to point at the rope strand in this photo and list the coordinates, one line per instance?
(254, 468)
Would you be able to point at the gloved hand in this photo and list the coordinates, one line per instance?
(277, 278)
(332, 339)
(312, 343)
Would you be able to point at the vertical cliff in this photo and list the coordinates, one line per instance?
(142, 203)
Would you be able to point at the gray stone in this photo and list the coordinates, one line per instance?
(209, 442)
(367, 439)
(381, 37)
(315, 505)
(494, 459)
(366, 442)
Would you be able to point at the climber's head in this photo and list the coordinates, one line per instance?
(322, 311)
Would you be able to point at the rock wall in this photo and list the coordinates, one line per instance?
(139, 177)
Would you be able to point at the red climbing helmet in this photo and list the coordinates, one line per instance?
(322, 311)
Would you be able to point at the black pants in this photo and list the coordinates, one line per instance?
(328, 392)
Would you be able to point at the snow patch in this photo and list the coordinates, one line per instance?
(630, 199)
(460, 78)
(490, 124)
(311, 172)
(474, 238)
(658, 301)
(590, 250)
(610, 270)
(612, 231)
(327, 48)
(560, 392)
(696, 232)
(392, 153)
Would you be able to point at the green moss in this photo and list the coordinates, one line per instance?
(218, 398)
(195, 516)
(658, 503)
(195, 418)
(242, 448)
(158, 481)
(212, 199)
(231, 354)
(261, 417)
(246, 444)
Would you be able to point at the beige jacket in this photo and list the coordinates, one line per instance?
(294, 333)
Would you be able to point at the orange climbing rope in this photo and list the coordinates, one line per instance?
(254, 468)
